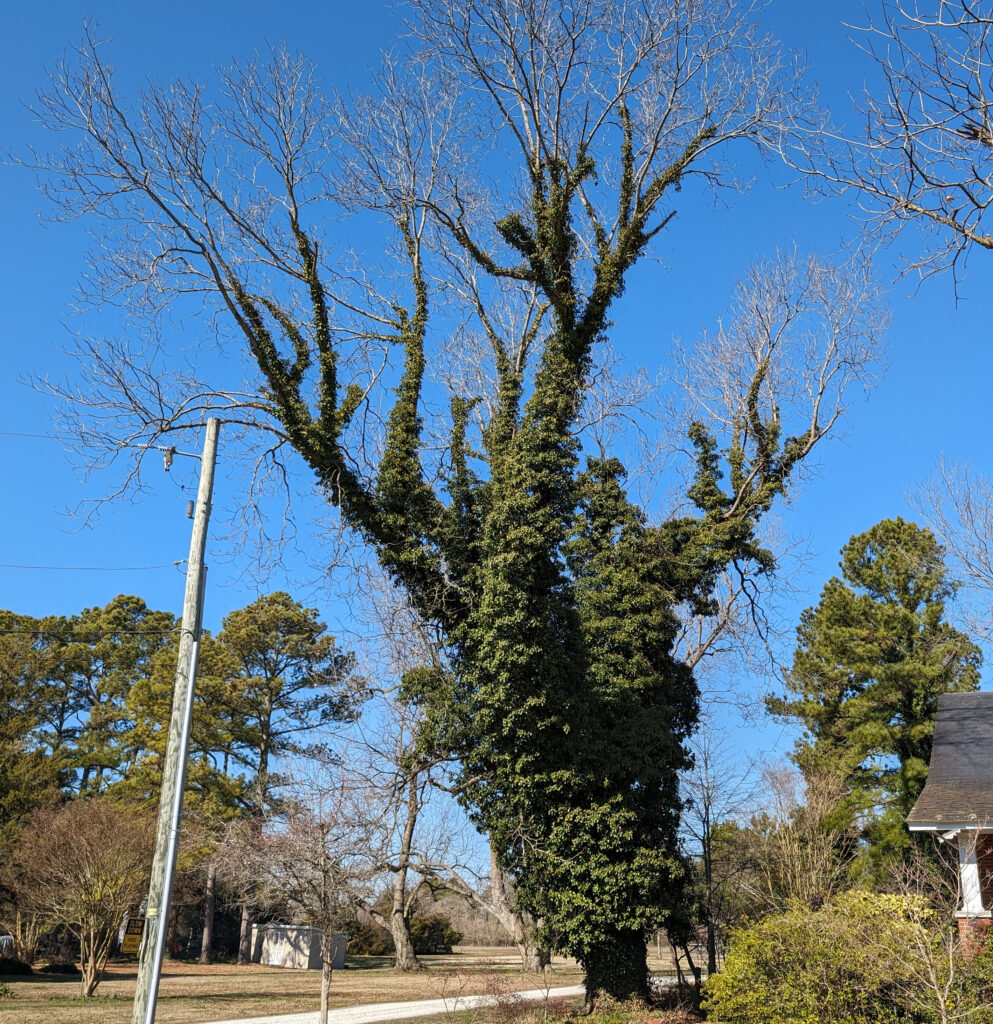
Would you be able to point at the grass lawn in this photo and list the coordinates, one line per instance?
(191, 994)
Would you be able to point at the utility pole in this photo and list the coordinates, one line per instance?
(177, 746)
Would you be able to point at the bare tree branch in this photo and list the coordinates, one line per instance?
(956, 504)
(925, 151)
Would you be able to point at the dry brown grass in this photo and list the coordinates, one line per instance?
(191, 994)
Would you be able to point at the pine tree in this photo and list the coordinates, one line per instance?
(872, 659)
(286, 680)
(115, 647)
(87, 665)
(212, 793)
(29, 777)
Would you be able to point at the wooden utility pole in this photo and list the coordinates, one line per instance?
(177, 746)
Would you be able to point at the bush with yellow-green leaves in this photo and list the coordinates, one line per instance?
(862, 958)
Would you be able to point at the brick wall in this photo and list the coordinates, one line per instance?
(972, 932)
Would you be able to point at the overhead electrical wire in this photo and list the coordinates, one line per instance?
(93, 568)
(89, 638)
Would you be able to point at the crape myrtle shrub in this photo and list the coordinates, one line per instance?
(862, 958)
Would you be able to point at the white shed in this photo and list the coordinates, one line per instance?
(294, 945)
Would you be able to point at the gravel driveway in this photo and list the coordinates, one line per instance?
(403, 1011)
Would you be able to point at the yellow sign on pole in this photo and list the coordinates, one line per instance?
(133, 932)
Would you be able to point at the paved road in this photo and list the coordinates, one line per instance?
(403, 1011)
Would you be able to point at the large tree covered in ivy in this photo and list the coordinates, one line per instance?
(522, 157)
(873, 657)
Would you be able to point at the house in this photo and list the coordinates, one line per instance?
(956, 804)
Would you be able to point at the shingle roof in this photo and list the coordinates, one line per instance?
(959, 787)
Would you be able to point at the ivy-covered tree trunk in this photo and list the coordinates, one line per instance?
(617, 965)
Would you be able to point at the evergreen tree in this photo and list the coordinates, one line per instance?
(285, 679)
(872, 659)
(110, 650)
(65, 724)
(86, 665)
(61, 707)
(29, 777)
(213, 793)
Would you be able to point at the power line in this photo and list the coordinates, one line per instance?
(89, 638)
(21, 433)
(93, 568)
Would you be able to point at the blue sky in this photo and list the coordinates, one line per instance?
(933, 400)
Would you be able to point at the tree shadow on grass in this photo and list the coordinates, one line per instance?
(42, 979)
(368, 963)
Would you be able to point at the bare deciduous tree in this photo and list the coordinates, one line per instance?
(926, 152)
(318, 861)
(494, 895)
(218, 203)
(801, 334)
(401, 769)
(796, 852)
(956, 504)
(396, 767)
(718, 791)
(931, 966)
(394, 778)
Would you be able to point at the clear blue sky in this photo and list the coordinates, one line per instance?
(934, 398)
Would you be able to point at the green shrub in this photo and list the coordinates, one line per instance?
(6, 992)
(11, 965)
(433, 933)
(60, 967)
(429, 934)
(851, 961)
(370, 940)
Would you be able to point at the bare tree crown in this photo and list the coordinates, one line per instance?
(924, 153)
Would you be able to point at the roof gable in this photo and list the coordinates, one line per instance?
(959, 787)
